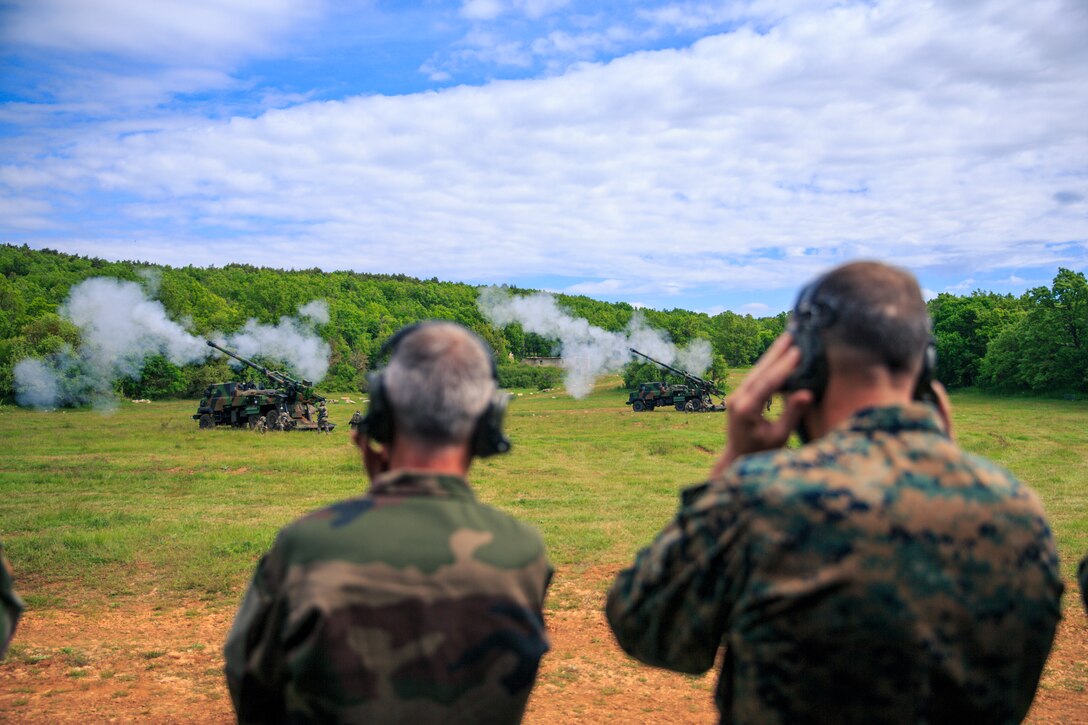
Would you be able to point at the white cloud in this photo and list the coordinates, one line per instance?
(491, 9)
(756, 158)
(482, 9)
(603, 287)
(201, 32)
(538, 8)
(756, 309)
(963, 286)
(89, 60)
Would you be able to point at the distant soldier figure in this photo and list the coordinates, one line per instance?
(323, 418)
(877, 573)
(284, 421)
(11, 606)
(1082, 579)
(356, 420)
(262, 425)
(414, 603)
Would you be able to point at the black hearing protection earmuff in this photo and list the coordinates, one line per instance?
(810, 316)
(814, 313)
(488, 437)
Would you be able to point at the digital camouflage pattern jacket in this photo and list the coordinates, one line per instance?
(414, 603)
(878, 574)
(11, 607)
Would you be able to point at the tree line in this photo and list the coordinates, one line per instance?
(1034, 342)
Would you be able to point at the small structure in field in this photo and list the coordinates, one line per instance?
(544, 362)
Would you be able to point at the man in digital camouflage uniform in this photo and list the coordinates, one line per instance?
(414, 603)
(11, 607)
(876, 574)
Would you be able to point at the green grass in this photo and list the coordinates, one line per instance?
(139, 500)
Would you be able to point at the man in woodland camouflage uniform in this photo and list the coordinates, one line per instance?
(414, 603)
(11, 607)
(876, 574)
(323, 417)
(262, 425)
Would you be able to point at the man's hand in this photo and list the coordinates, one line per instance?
(748, 430)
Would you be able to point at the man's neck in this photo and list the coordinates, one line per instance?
(845, 396)
(450, 460)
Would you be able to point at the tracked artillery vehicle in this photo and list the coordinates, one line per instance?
(694, 396)
(243, 404)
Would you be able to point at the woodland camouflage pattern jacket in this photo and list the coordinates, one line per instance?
(10, 604)
(414, 603)
(878, 574)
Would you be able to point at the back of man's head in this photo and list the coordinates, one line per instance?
(438, 382)
(878, 314)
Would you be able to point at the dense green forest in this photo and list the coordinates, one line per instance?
(1036, 342)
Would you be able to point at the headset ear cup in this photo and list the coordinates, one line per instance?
(489, 438)
(378, 423)
(929, 362)
(923, 389)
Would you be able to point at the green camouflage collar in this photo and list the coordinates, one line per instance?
(893, 419)
(420, 483)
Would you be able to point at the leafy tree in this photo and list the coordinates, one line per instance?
(1047, 349)
(159, 378)
(964, 328)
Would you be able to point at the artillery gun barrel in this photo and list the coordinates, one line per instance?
(275, 375)
(694, 379)
(240, 359)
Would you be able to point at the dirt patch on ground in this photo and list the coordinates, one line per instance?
(138, 660)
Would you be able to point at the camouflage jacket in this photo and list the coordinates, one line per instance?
(414, 603)
(11, 607)
(878, 574)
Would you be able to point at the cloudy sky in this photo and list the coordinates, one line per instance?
(673, 154)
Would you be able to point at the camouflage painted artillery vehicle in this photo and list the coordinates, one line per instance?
(694, 397)
(662, 395)
(243, 404)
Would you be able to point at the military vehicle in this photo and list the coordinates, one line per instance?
(693, 397)
(242, 404)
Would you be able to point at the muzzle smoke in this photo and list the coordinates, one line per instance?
(121, 327)
(587, 351)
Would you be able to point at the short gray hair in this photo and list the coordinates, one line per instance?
(438, 382)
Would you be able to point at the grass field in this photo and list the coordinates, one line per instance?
(138, 513)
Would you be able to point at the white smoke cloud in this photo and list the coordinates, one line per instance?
(120, 327)
(317, 310)
(36, 384)
(588, 351)
(291, 340)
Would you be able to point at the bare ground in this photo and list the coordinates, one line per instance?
(145, 660)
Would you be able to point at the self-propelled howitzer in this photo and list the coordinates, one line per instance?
(289, 405)
(692, 397)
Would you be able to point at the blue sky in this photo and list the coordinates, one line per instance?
(670, 154)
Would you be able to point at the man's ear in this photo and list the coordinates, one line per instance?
(376, 457)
